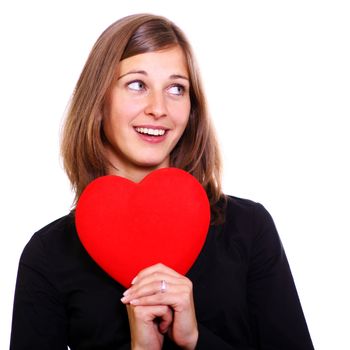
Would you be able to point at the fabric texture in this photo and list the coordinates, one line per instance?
(244, 292)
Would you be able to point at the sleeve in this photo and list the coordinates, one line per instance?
(39, 320)
(276, 315)
(207, 340)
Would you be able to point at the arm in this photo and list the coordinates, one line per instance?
(276, 315)
(39, 320)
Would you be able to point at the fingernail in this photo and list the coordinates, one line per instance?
(123, 300)
(134, 302)
(134, 280)
(126, 293)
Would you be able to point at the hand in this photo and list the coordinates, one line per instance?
(146, 291)
(148, 325)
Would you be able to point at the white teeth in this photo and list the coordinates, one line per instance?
(153, 132)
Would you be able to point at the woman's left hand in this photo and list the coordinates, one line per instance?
(160, 285)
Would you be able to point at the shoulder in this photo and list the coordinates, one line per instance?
(250, 224)
(246, 212)
(53, 237)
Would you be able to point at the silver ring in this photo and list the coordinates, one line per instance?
(163, 286)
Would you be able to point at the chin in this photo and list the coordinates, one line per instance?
(151, 161)
(152, 164)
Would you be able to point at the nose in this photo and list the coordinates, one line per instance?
(156, 105)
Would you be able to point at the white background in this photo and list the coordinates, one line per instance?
(277, 78)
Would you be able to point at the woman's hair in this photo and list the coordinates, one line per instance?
(82, 145)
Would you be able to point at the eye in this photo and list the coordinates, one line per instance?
(176, 89)
(136, 85)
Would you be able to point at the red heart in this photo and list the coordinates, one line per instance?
(127, 226)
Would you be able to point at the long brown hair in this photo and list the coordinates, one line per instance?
(82, 145)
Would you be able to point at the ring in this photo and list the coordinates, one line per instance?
(163, 286)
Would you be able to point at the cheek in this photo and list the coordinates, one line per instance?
(184, 114)
(125, 110)
(181, 113)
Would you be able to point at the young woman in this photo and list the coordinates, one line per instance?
(139, 106)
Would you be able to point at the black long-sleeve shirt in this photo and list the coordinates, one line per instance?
(244, 292)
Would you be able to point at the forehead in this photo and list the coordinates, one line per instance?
(171, 60)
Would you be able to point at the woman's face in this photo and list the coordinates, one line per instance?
(147, 111)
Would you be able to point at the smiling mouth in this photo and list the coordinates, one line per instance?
(150, 131)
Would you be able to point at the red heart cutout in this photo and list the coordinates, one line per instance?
(127, 226)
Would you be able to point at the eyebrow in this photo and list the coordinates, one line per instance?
(173, 76)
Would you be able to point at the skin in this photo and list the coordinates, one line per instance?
(145, 332)
(151, 92)
(145, 292)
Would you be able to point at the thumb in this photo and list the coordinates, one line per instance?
(166, 321)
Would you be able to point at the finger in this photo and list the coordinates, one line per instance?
(178, 300)
(145, 288)
(156, 276)
(147, 313)
(157, 268)
(154, 285)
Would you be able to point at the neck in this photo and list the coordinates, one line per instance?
(134, 175)
(133, 172)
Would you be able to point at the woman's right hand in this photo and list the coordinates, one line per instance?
(148, 324)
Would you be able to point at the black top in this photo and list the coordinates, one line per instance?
(244, 292)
